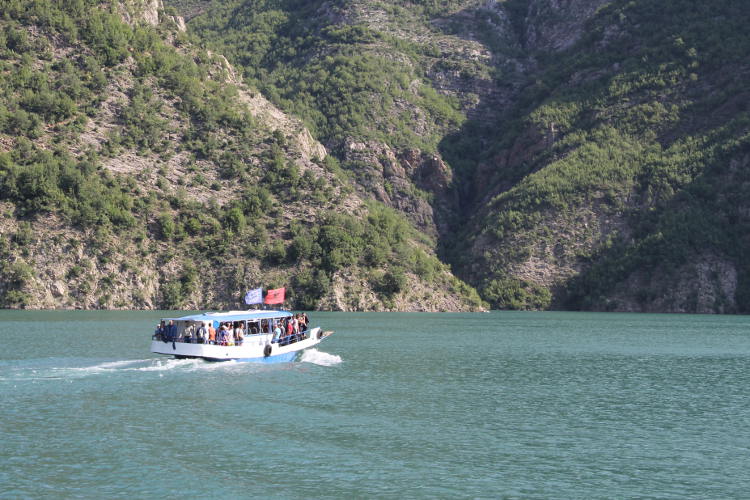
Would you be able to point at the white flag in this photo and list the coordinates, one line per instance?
(254, 296)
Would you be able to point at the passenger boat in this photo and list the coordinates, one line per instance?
(178, 337)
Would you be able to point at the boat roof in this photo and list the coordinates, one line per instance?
(252, 314)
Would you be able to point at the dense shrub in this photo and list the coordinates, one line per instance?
(326, 74)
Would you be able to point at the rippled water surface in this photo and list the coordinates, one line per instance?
(498, 405)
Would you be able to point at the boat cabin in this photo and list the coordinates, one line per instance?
(256, 335)
(252, 323)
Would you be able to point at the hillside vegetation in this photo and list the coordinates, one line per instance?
(623, 176)
(596, 149)
(138, 171)
(323, 62)
(588, 154)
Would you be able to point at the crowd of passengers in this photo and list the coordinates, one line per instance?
(285, 331)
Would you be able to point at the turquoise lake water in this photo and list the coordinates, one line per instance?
(494, 405)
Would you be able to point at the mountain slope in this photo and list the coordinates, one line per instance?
(621, 184)
(585, 154)
(139, 171)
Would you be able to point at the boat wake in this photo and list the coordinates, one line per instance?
(156, 365)
(76, 368)
(109, 366)
(317, 357)
(72, 369)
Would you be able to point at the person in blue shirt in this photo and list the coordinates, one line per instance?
(171, 330)
(276, 331)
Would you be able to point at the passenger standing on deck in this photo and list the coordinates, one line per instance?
(277, 331)
(171, 331)
(202, 333)
(211, 334)
(239, 334)
(230, 334)
(159, 332)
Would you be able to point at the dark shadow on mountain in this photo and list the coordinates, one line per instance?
(487, 120)
(686, 249)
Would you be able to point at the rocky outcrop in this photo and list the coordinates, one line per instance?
(409, 180)
(141, 11)
(554, 25)
(73, 269)
(269, 115)
(351, 292)
(708, 285)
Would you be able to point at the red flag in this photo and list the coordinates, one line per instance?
(275, 296)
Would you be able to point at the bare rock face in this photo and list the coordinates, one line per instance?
(151, 12)
(429, 172)
(180, 22)
(58, 289)
(350, 292)
(382, 176)
(555, 25)
(707, 285)
(308, 145)
(410, 181)
(141, 11)
(270, 115)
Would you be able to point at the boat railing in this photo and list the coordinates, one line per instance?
(282, 341)
(290, 339)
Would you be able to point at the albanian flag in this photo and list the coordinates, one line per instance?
(275, 296)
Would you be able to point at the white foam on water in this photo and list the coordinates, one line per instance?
(190, 365)
(64, 371)
(203, 365)
(43, 370)
(317, 357)
(159, 365)
(111, 366)
(166, 364)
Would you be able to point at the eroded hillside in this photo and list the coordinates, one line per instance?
(569, 154)
(621, 182)
(582, 154)
(139, 171)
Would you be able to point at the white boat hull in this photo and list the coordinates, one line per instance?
(253, 348)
